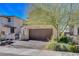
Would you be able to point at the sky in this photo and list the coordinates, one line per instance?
(14, 9)
(20, 9)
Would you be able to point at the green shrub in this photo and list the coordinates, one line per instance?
(64, 44)
(63, 47)
(52, 45)
(73, 48)
(57, 46)
(64, 39)
(69, 48)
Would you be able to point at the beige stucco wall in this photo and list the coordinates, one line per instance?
(24, 35)
(5, 30)
(39, 32)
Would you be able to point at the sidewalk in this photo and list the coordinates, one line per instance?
(34, 52)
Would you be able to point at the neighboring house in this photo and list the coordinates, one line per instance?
(37, 32)
(73, 32)
(9, 24)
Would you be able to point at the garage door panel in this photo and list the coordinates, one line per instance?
(40, 34)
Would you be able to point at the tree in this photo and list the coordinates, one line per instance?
(58, 15)
(49, 14)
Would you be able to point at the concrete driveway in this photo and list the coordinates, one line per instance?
(32, 44)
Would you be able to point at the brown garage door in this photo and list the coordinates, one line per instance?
(40, 34)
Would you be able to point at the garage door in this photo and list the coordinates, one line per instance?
(40, 34)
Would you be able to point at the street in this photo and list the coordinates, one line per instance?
(8, 51)
(7, 54)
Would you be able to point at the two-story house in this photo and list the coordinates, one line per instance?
(9, 24)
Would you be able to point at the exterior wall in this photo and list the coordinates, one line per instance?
(5, 25)
(17, 22)
(74, 34)
(5, 29)
(40, 34)
(3, 21)
(24, 35)
(54, 32)
(74, 30)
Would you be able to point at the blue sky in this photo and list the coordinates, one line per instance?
(14, 9)
(20, 9)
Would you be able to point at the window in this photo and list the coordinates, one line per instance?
(12, 30)
(9, 20)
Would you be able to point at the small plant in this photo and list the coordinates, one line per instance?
(64, 39)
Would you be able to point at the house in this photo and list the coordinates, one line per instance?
(73, 32)
(9, 24)
(37, 32)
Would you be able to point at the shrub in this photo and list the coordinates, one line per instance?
(63, 44)
(64, 39)
(52, 45)
(63, 47)
(68, 47)
(73, 48)
(57, 46)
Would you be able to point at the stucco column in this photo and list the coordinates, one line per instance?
(75, 30)
(54, 33)
(75, 38)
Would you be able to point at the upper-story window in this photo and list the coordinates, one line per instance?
(9, 20)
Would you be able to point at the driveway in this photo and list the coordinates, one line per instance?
(30, 48)
(8, 51)
(32, 44)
